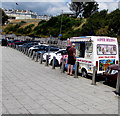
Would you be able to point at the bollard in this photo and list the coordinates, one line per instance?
(63, 66)
(30, 53)
(118, 83)
(27, 52)
(94, 75)
(24, 50)
(13, 46)
(20, 49)
(47, 60)
(33, 56)
(53, 62)
(76, 69)
(41, 58)
(16, 47)
(37, 56)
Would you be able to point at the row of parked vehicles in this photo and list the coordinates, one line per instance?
(91, 51)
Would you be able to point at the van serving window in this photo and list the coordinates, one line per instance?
(89, 47)
(106, 49)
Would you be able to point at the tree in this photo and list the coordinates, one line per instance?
(4, 17)
(83, 9)
(114, 23)
(89, 9)
(76, 7)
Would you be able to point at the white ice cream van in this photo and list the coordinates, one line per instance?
(99, 51)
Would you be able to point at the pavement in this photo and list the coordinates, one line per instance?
(29, 87)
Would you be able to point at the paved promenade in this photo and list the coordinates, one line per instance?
(32, 88)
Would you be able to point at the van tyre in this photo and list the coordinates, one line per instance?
(84, 73)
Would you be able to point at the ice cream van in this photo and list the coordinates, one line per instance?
(99, 51)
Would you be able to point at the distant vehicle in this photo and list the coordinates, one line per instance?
(58, 55)
(110, 75)
(4, 42)
(12, 42)
(30, 44)
(37, 47)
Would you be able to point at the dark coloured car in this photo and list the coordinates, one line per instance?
(48, 49)
(12, 42)
(30, 44)
(4, 42)
(111, 74)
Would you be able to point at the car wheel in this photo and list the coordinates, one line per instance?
(84, 73)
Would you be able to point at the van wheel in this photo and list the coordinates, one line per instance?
(84, 73)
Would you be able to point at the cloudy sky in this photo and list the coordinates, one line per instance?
(52, 7)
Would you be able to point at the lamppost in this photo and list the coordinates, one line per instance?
(60, 35)
(61, 22)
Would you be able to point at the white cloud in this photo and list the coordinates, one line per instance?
(108, 5)
(57, 9)
(53, 7)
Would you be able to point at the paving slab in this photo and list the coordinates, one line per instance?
(29, 87)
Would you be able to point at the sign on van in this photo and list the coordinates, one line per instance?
(106, 40)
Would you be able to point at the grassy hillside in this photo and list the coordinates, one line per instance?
(99, 24)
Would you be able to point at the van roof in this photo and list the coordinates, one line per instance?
(88, 38)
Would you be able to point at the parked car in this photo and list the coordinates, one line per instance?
(47, 49)
(12, 42)
(110, 75)
(36, 48)
(28, 45)
(58, 55)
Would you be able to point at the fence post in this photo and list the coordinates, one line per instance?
(63, 66)
(53, 62)
(76, 69)
(41, 58)
(94, 75)
(118, 83)
(47, 60)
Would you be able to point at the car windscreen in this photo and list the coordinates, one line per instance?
(49, 48)
(114, 71)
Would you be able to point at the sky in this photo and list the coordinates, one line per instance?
(53, 7)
